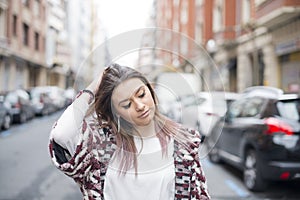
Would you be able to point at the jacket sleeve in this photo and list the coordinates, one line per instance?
(67, 129)
(71, 140)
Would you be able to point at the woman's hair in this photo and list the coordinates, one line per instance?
(165, 128)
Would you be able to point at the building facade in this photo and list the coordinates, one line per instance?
(250, 42)
(256, 43)
(46, 42)
(58, 56)
(22, 63)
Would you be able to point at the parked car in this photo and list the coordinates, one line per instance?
(260, 136)
(171, 108)
(20, 105)
(5, 115)
(58, 97)
(70, 94)
(203, 109)
(41, 101)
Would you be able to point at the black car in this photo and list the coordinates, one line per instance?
(260, 135)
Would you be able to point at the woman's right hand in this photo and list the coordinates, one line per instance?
(94, 85)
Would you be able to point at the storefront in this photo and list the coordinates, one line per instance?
(290, 72)
(287, 48)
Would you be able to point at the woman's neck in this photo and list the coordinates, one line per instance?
(147, 131)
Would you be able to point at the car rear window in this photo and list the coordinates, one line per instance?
(289, 109)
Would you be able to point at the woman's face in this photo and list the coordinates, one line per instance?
(133, 102)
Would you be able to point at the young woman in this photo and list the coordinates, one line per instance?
(113, 141)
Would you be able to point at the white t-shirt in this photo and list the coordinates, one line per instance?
(155, 178)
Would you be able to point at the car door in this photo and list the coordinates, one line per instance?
(24, 100)
(228, 138)
(244, 127)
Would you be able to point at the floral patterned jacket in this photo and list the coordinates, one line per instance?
(93, 153)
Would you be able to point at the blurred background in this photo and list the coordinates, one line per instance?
(201, 55)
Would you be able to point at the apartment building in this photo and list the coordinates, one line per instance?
(256, 42)
(58, 56)
(255, 52)
(176, 18)
(23, 64)
(251, 42)
(281, 58)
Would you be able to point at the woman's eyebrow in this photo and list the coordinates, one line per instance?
(137, 91)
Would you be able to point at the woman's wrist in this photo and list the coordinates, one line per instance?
(91, 95)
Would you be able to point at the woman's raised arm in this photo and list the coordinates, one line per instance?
(66, 131)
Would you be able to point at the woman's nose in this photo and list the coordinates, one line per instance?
(139, 106)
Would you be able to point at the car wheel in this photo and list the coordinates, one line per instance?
(252, 174)
(214, 155)
(7, 122)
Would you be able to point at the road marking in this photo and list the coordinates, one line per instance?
(5, 133)
(238, 190)
(205, 162)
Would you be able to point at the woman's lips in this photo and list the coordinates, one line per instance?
(145, 114)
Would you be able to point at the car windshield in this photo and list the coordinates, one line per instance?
(289, 109)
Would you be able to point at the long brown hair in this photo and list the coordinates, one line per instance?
(165, 128)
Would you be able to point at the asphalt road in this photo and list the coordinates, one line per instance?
(25, 166)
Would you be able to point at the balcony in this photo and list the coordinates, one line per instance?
(3, 4)
(226, 36)
(275, 12)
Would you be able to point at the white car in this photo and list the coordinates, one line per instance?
(203, 109)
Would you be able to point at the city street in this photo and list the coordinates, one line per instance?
(28, 174)
(229, 67)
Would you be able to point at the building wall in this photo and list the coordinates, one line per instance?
(271, 5)
(22, 58)
(286, 48)
(207, 22)
(267, 53)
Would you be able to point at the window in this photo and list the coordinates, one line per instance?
(289, 109)
(199, 2)
(26, 2)
(19, 81)
(25, 34)
(36, 8)
(2, 22)
(246, 11)
(184, 13)
(176, 3)
(36, 40)
(252, 107)
(236, 109)
(15, 25)
(218, 16)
